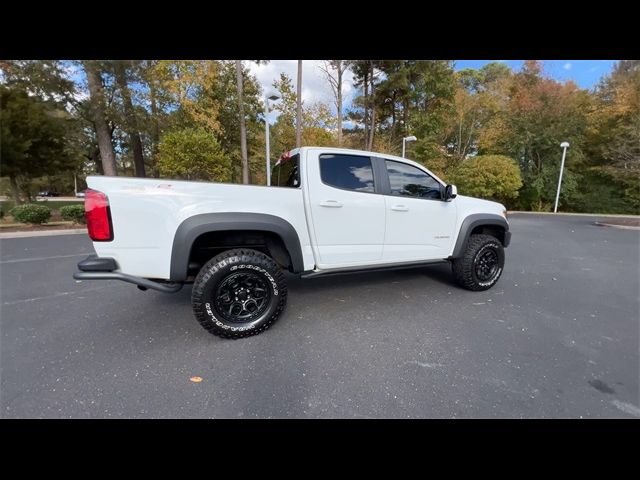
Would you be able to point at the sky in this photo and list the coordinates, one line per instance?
(585, 73)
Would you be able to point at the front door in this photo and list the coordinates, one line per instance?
(420, 226)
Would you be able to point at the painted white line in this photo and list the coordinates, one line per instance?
(55, 295)
(627, 408)
(37, 259)
(70, 231)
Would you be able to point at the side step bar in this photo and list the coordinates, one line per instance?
(370, 268)
(96, 268)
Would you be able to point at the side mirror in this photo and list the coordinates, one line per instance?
(450, 192)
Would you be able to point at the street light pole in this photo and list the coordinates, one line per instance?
(564, 145)
(404, 142)
(266, 129)
(266, 126)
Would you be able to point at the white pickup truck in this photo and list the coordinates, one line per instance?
(328, 210)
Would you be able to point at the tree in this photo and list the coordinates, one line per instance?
(494, 177)
(97, 104)
(613, 139)
(299, 107)
(243, 128)
(35, 138)
(479, 95)
(131, 122)
(46, 79)
(284, 130)
(193, 154)
(361, 74)
(432, 87)
(225, 93)
(334, 71)
(317, 125)
(539, 114)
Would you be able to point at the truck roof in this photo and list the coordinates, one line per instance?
(365, 152)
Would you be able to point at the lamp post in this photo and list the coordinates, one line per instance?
(564, 146)
(404, 143)
(272, 97)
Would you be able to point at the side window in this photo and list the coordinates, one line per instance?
(350, 172)
(286, 172)
(409, 181)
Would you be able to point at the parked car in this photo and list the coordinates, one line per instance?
(80, 194)
(48, 193)
(328, 211)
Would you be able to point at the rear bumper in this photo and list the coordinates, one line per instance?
(102, 268)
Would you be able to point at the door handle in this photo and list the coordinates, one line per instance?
(400, 208)
(331, 204)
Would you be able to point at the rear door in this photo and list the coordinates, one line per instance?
(420, 226)
(347, 210)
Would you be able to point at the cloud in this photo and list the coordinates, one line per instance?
(567, 66)
(315, 87)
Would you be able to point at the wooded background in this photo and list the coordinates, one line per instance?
(492, 131)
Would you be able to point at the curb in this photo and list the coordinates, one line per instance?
(70, 231)
(624, 227)
(599, 215)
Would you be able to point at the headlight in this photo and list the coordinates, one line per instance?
(504, 214)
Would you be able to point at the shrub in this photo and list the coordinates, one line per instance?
(494, 177)
(35, 214)
(74, 213)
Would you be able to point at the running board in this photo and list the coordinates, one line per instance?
(370, 268)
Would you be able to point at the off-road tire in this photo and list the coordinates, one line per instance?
(464, 267)
(215, 272)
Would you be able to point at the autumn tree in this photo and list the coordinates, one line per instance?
(494, 177)
(193, 154)
(613, 142)
(539, 115)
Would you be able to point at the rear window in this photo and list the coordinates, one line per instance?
(349, 172)
(286, 172)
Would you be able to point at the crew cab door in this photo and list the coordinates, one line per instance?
(420, 226)
(347, 214)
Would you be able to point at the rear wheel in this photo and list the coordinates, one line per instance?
(239, 293)
(481, 264)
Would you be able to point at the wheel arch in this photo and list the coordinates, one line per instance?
(491, 224)
(194, 227)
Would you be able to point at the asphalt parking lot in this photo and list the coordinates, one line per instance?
(557, 337)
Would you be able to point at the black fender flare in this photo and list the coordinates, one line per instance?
(194, 226)
(478, 220)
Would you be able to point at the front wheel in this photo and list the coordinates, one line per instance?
(481, 264)
(239, 293)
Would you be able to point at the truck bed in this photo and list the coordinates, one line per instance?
(147, 212)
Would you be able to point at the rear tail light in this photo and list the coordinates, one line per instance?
(98, 216)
